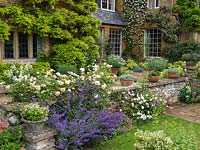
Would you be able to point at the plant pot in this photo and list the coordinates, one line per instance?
(114, 70)
(173, 75)
(154, 78)
(34, 126)
(191, 65)
(125, 82)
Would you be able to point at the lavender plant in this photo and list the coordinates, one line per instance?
(80, 118)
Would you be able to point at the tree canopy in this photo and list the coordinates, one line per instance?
(68, 22)
(189, 14)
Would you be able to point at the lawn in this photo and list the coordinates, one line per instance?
(184, 133)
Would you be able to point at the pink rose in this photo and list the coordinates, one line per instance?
(22, 148)
(3, 125)
(1, 131)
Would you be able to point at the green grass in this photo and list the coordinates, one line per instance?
(185, 134)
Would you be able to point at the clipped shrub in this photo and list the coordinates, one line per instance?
(64, 69)
(124, 70)
(3, 68)
(157, 140)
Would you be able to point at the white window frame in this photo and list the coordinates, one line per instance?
(120, 48)
(155, 3)
(112, 7)
(150, 5)
(145, 43)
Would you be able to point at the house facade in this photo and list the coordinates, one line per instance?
(109, 13)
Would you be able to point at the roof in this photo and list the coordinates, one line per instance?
(109, 17)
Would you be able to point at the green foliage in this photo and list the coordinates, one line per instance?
(157, 64)
(191, 57)
(169, 29)
(124, 70)
(34, 112)
(138, 69)
(175, 53)
(116, 62)
(134, 15)
(69, 22)
(10, 137)
(4, 31)
(130, 64)
(64, 69)
(173, 70)
(154, 73)
(158, 140)
(3, 68)
(126, 76)
(41, 66)
(188, 13)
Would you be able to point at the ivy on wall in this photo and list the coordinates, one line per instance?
(68, 22)
(134, 15)
(188, 14)
(168, 28)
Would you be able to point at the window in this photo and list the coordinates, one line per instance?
(199, 3)
(116, 42)
(108, 5)
(22, 47)
(36, 45)
(152, 43)
(157, 3)
(150, 4)
(9, 48)
(187, 35)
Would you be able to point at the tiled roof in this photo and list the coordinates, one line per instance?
(109, 17)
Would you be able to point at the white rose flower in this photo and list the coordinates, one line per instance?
(57, 93)
(62, 89)
(82, 69)
(103, 86)
(97, 82)
(37, 87)
(67, 82)
(96, 96)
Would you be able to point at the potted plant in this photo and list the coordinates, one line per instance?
(191, 59)
(173, 73)
(154, 76)
(34, 116)
(126, 79)
(116, 63)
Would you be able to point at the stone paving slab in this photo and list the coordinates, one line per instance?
(189, 112)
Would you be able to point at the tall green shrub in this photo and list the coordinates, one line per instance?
(69, 25)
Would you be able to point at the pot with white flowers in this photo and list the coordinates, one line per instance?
(34, 117)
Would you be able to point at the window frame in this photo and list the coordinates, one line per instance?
(107, 9)
(120, 40)
(147, 53)
(155, 3)
(148, 4)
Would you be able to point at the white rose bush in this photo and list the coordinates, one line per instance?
(24, 83)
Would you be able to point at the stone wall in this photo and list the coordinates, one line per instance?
(168, 89)
(6, 2)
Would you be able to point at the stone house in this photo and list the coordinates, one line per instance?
(109, 13)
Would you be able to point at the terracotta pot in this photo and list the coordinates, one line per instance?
(114, 70)
(154, 78)
(125, 82)
(191, 63)
(173, 75)
(34, 126)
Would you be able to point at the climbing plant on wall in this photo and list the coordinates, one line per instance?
(162, 19)
(68, 22)
(134, 14)
(188, 14)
